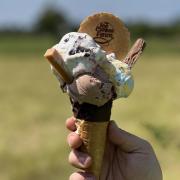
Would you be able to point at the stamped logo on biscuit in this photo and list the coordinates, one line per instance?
(104, 33)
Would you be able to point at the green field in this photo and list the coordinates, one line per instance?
(33, 109)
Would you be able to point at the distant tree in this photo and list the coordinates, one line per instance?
(144, 29)
(53, 22)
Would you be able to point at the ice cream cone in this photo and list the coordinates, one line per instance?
(91, 133)
(81, 59)
(92, 123)
(109, 32)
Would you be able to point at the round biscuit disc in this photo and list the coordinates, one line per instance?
(109, 32)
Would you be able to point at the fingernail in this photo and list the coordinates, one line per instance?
(71, 139)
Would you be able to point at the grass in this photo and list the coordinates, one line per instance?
(33, 110)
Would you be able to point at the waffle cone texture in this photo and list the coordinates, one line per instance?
(93, 135)
(108, 31)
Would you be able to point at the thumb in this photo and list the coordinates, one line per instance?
(124, 140)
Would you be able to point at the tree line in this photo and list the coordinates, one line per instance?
(53, 22)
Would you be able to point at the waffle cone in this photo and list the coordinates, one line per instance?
(109, 32)
(93, 135)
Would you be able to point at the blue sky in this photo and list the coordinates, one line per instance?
(24, 12)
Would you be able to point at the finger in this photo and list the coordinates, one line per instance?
(70, 124)
(81, 176)
(79, 159)
(126, 141)
(74, 140)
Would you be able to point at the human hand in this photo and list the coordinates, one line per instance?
(127, 157)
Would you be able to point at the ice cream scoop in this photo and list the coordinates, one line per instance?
(93, 89)
(82, 55)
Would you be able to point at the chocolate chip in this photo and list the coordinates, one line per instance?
(72, 52)
(86, 54)
(66, 40)
(80, 49)
(87, 50)
(80, 37)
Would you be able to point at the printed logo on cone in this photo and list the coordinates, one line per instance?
(104, 33)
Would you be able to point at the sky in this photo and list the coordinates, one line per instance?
(24, 12)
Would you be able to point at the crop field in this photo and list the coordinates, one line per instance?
(33, 110)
